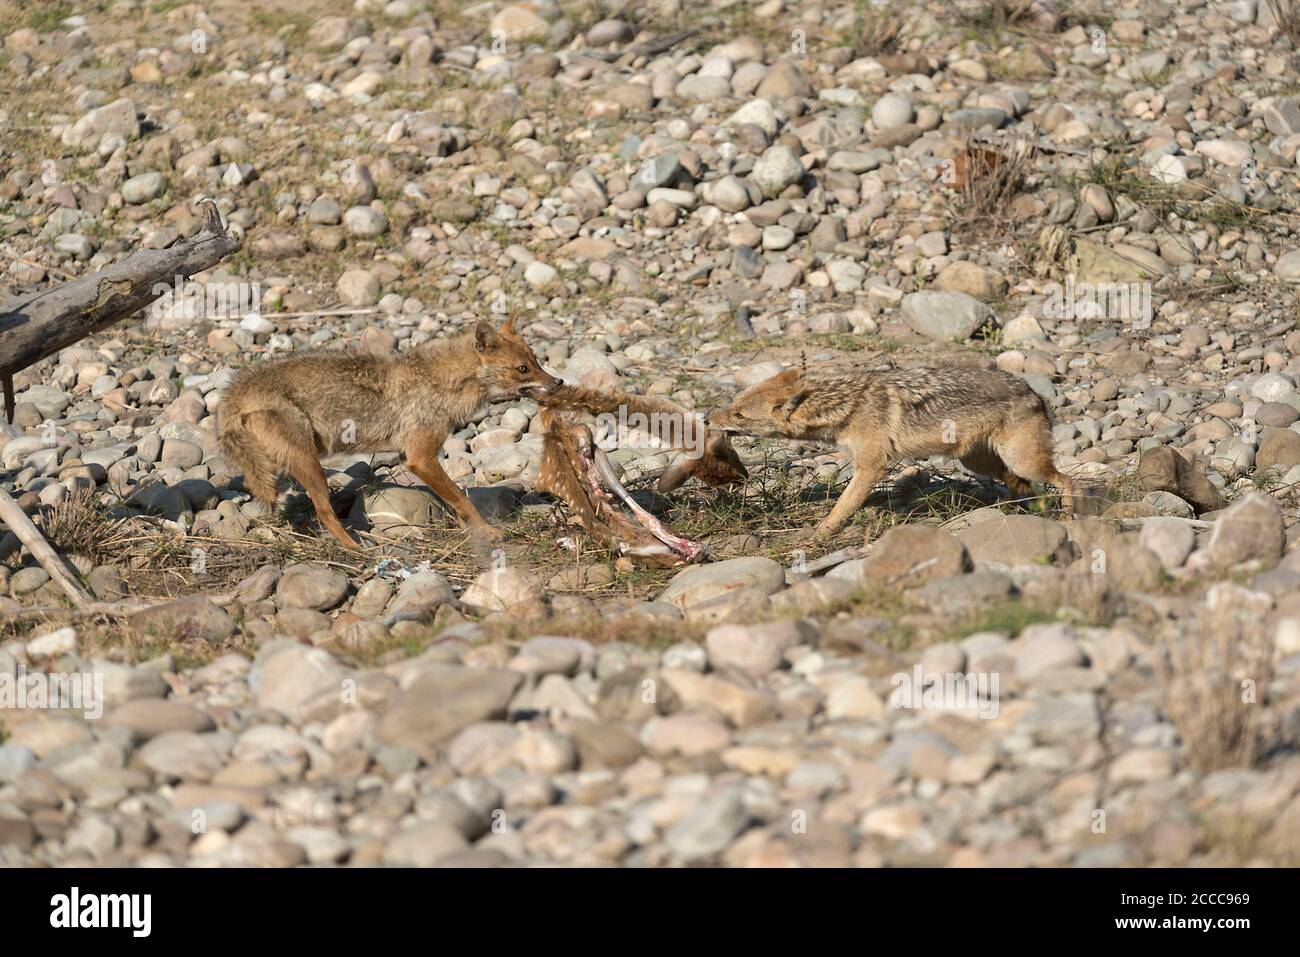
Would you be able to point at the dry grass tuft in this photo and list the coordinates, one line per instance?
(1214, 675)
(985, 181)
(996, 15)
(1286, 17)
(80, 525)
(880, 29)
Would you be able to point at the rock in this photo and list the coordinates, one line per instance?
(192, 618)
(778, 168)
(150, 717)
(180, 454)
(687, 733)
(783, 80)
(703, 88)
(1033, 61)
(1226, 152)
(1273, 387)
(539, 275)
(311, 586)
(609, 31)
(143, 188)
(1277, 415)
(1043, 648)
(729, 193)
(25, 581)
(892, 110)
(358, 288)
(115, 119)
(290, 678)
(440, 703)
(426, 843)
(975, 118)
(501, 589)
(518, 23)
(181, 755)
(978, 281)
(397, 511)
(708, 827)
(1170, 538)
(962, 595)
(755, 650)
(1163, 469)
(993, 536)
(1282, 117)
(1287, 267)
(326, 211)
(1251, 529)
(908, 556)
(757, 112)
(1279, 449)
(15, 759)
(602, 745)
(1096, 263)
(700, 583)
(546, 655)
(365, 222)
(945, 315)
(419, 594)
(851, 161)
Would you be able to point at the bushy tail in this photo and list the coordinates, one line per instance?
(242, 448)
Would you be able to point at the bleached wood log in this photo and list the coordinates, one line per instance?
(35, 326)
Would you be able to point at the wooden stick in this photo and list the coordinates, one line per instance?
(33, 327)
(8, 251)
(319, 312)
(118, 609)
(49, 559)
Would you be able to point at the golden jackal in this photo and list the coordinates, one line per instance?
(990, 420)
(282, 415)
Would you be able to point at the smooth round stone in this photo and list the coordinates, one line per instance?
(891, 110)
(1276, 414)
(778, 237)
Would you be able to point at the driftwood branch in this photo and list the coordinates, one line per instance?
(23, 527)
(35, 326)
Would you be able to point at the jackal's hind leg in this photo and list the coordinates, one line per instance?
(293, 444)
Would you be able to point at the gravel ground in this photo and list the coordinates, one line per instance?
(1101, 198)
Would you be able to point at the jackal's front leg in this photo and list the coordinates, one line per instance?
(868, 469)
(422, 457)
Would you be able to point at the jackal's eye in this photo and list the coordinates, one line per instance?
(523, 368)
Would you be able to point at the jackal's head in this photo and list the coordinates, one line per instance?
(759, 409)
(506, 366)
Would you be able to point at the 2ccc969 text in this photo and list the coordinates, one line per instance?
(1155, 900)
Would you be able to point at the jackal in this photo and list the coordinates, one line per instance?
(990, 420)
(282, 415)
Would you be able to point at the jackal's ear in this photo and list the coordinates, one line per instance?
(508, 327)
(485, 337)
(787, 406)
(676, 474)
